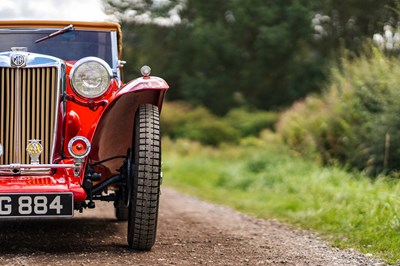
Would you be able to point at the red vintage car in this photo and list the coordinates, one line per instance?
(72, 132)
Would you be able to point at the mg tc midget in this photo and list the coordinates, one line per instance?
(72, 132)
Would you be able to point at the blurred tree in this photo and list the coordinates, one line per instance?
(346, 24)
(228, 53)
(276, 62)
(141, 11)
(248, 52)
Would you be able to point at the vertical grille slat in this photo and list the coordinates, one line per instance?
(42, 104)
(23, 109)
(11, 123)
(38, 100)
(2, 105)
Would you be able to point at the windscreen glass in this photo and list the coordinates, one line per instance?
(70, 46)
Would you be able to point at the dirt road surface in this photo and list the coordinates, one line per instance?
(190, 232)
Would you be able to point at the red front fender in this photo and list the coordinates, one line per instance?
(114, 132)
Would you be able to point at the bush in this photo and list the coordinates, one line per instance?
(302, 127)
(251, 123)
(173, 117)
(179, 120)
(355, 121)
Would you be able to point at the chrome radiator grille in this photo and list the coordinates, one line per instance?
(28, 102)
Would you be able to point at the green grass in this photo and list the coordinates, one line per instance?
(261, 177)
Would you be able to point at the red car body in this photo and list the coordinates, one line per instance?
(106, 121)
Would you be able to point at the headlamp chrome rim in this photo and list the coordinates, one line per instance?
(79, 64)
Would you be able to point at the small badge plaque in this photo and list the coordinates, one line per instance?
(34, 150)
(19, 56)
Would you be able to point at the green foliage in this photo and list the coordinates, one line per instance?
(263, 178)
(304, 128)
(355, 121)
(271, 53)
(251, 123)
(138, 10)
(180, 120)
(259, 50)
(349, 25)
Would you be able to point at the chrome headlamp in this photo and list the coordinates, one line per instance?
(90, 77)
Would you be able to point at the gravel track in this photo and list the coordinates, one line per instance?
(190, 232)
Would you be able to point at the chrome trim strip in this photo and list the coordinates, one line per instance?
(36, 166)
(34, 60)
(114, 49)
(40, 169)
(60, 91)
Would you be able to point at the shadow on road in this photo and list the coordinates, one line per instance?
(61, 235)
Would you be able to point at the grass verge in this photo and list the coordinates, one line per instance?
(261, 177)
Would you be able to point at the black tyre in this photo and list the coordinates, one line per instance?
(123, 193)
(122, 213)
(121, 210)
(146, 175)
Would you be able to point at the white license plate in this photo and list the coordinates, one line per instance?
(36, 205)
